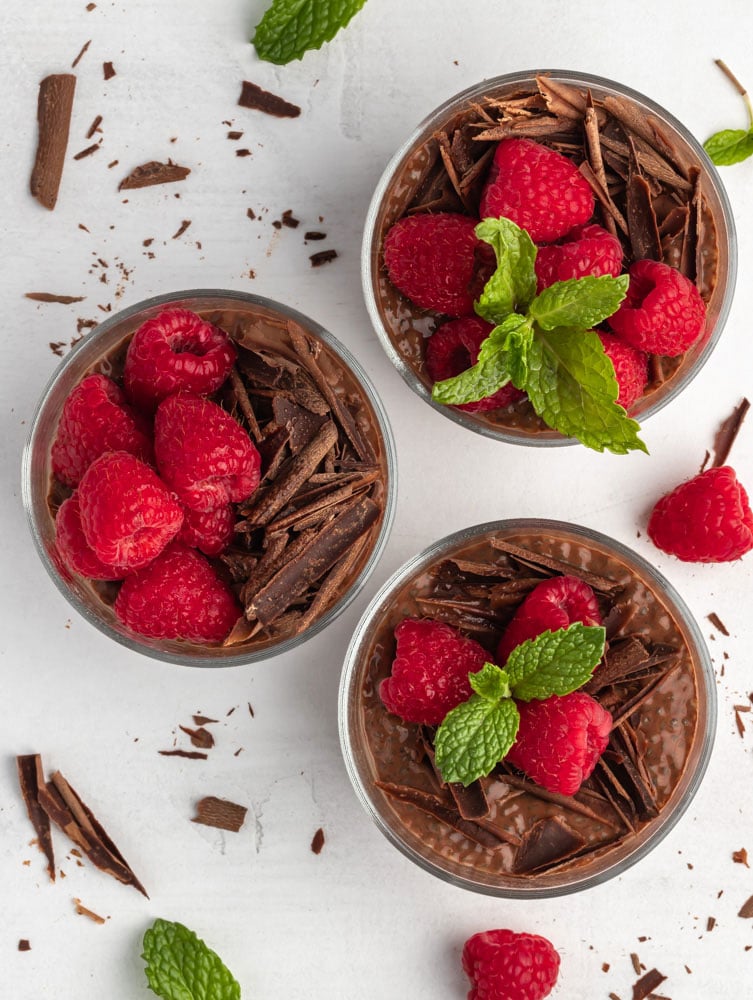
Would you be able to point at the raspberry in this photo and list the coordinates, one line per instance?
(176, 350)
(503, 965)
(707, 519)
(585, 250)
(203, 454)
(430, 671)
(437, 261)
(560, 740)
(630, 368)
(211, 530)
(96, 419)
(455, 346)
(537, 188)
(551, 605)
(127, 513)
(662, 313)
(73, 547)
(178, 596)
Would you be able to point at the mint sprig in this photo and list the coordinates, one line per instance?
(732, 145)
(545, 346)
(179, 966)
(476, 735)
(289, 28)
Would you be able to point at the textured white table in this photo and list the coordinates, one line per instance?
(357, 921)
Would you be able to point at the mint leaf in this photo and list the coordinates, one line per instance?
(475, 736)
(289, 28)
(729, 146)
(579, 302)
(490, 682)
(555, 662)
(570, 382)
(513, 285)
(492, 370)
(179, 966)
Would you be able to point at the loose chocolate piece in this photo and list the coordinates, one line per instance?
(94, 127)
(252, 96)
(741, 857)
(79, 57)
(188, 754)
(717, 622)
(84, 911)
(647, 984)
(726, 435)
(235, 135)
(29, 778)
(181, 229)
(289, 220)
(549, 841)
(317, 841)
(50, 297)
(200, 737)
(746, 910)
(313, 234)
(220, 813)
(54, 106)
(24, 944)
(83, 153)
(203, 720)
(322, 257)
(153, 172)
(108, 70)
(557, 566)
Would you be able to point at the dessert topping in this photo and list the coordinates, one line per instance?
(180, 965)
(153, 172)
(289, 28)
(30, 778)
(54, 107)
(252, 96)
(732, 145)
(220, 813)
(503, 965)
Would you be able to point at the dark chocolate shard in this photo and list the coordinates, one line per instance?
(188, 754)
(549, 841)
(322, 257)
(220, 813)
(622, 762)
(726, 435)
(717, 622)
(244, 403)
(621, 660)
(564, 801)
(642, 226)
(153, 172)
(646, 985)
(470, 800)
(253, 97)
(30, 777)
(300, 422)
(537, 560)
(54, 107)
(199, 737)
(746, 910)
(317, 841)
(51, 297)
(108, 70)
(330, 585)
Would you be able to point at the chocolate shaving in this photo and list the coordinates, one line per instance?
(717, 622)
(181, 229)
(220, 813)
(331, 583)
(94, 127)
(188, 754)
(153, 172)
(746, 910)
(470, 800)
(549, 841)
(557, 566)
(564, 801)
(322, 257)
(54, 107)
(727, 434)
(79, 57)
(646, 985)
(300, 423)
(641, 219)
(621, 660)
(314, 234)
(317, 841)
(108, 70)
(83, 153)
(203, 720)
(200, 737)
(84, 911)
(30, 777)
(50, 297)
(252, 96)
(244, 403)
(24, 944)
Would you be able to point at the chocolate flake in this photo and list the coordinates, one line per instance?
(253, 97)
(530, 558)
(94, 127)
(54, 107)
(314, 234)
(549, 841)
(727, 433)
(717, 622)
(84, 911)
(108, 70)
(188, 754)
(322, 257)
(30, 776)
(24, 944)
(317, 841)
(78, 58)
(647, 984)
(200, 737)
(181, 229)
(203, 720)
(234, 135)
(153, 172)
(746, 910)
(82, 153)
(50, 297)
(220, 813)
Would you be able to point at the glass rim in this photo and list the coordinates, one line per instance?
(148, 647)
(369, 251)
(674, 809)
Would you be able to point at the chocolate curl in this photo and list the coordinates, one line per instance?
(54, 107)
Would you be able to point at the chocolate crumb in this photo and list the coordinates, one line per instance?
(647, 984)
(741, 857)
(605, 966)
(250, 213)
(289, 220)
(152, 173)
(57, 347)
(323, 257)
(88, 151)
(717, 623)
(314, 234)
(148, 243)
(251, 710)
(77, 60)
(253, 97)
(710, 923)
(181, 229)
(234, 135)
(50, 297)
(636, 963)
(90, 6)
(200, 737)
(203, 720)
(220, 813)
(243, 152)
(108, 70)
(54, 107)
(113, 163)
(94, 127)
(189, 754)
(24, 945)
(231, 710)
(84, 911)
(746, 910)
(317, 841)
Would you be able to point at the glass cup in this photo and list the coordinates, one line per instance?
(103, 350)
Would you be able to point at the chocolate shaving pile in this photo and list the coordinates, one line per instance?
(252, 96)
(153, 172)
(220, 813)
(54, 107)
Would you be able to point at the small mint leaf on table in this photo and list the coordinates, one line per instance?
(289, 28)
(179, 966)
(732, 145)
(555, 662)
(493, 368)
(513, 285)
(579, 302)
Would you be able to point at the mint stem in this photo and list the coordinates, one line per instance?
(738, 87)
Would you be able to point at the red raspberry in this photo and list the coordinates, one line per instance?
(503, 965)
(211, 531)
(630, 368)
(707, 519)
(585, 250)
(560, 740)
(178, 596)
(176, 350)
(96, 419)
(537, 188)
(74, 549)
(455, 346)
(437, 261)
(127, 513)
(552, 604)
(203, 454)
(662, 313)
(430, 671)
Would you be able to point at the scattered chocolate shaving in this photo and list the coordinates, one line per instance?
(739, 720)
(50, 297)
(647, 984)
(203, 720)
(727, 434)
(243, 152)
(78, 58)
(82, 153)
(741, 857)
(57, 347)
(200, 737)
(252, 96)
(710, 923)
(746, 910)
(24, 944)
(30, 777)
(108, 70)
(289, 220)
(322, 257)
(90, 6)
(637, 967)
(152, 173)
(314, 234)
(317, 841)
(84, 911)
(536, 559)
(54, 107)
(234, 135)
(188, 754)
(94, 127)
(220, 813)
(549, 841)
(717, 623)
(181, 229)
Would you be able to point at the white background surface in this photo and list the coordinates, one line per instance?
(357, 921)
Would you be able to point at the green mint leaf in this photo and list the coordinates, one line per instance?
(492, 369)
(474, 737)
(513, 285)
(555, 662)
(579, 302)
(729, 146)
(289, 28)
(179, 966)
(490, 682)
(571, 384)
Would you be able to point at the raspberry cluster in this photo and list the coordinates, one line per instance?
(154, 469)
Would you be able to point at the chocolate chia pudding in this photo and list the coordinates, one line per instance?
(654, 188)
(310, 535)
(505, 835)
